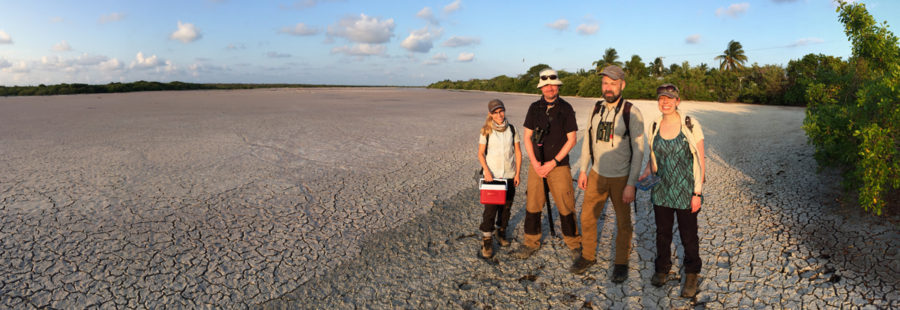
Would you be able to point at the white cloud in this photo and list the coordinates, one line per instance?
(277, 55)
(421, 40)
(438, 58)
(186, 33)
(111, 65)
(5, 38)
(455, 41)
(4, 63)
(235, 46)
(452, 7)
(363, 29)
(806, 41)
(733, 10)
(89, 60)
(692, 39)
(465, 57)
(300, 4)
(426, 14)
(18, 67)
(56, 20)
(62, 46)
(111, 17)
(142, 63)
(360, 50)
(300, 29)
(560, 24)
(587, 29)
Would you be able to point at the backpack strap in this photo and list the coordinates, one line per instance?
(590, 141)
(487, 141)
(626, 116)
(687, 122)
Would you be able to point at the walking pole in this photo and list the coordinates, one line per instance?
(546, 190)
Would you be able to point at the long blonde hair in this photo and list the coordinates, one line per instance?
(488, 126)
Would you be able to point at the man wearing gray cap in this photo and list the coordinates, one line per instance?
(550, 129)
(614, 148)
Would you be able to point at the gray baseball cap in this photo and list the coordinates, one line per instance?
(613, 72)
(495, 104)
(668, 90)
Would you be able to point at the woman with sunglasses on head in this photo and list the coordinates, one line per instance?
(501, 158)
(677, 157)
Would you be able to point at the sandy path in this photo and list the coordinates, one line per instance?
(234, 198)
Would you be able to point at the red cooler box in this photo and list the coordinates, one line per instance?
(493, 193)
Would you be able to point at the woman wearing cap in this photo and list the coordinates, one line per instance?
(500, 157)
(677, 157)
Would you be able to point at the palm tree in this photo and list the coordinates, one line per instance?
(635, 67)
(733, 57)
(610, 57)
(657, 68)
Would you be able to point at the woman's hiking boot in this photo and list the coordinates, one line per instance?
(487, 247)
(690, 285)
(501, 237)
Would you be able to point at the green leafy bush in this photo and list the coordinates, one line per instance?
(853, 115)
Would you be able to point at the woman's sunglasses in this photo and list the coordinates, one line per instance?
(666, 88)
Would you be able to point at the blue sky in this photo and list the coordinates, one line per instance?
(393, 42)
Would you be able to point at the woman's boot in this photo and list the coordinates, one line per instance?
(690, 286)
(501, 237)
(487, 247)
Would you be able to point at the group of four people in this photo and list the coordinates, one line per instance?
(610, 166)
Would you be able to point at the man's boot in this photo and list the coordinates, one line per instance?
(524, 251)
(620, 273)
(487, 247)
(690, 285)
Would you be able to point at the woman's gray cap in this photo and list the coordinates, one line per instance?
(613, 72)
(668, 90)
(495, 104)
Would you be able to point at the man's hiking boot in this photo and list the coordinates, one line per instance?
(690, 285)
(501, 237)
(524, 251)
(581, 265)
(487, 247)
(576, 253)
(659, 279)
(620, 273)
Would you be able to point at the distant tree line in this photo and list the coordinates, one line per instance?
(68, 89)
(732, 81)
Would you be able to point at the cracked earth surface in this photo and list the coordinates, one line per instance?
(320, 198)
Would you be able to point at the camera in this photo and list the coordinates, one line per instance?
(538, 136)
(604, 131)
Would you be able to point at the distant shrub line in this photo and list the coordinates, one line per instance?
(768, 84)
(68, 89)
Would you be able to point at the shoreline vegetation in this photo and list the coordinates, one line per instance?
(116, 87)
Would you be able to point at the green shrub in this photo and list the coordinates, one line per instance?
(854, 122)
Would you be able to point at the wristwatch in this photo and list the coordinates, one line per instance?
(557, 161)
(698, 195)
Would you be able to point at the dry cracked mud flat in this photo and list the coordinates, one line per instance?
(365, 198)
